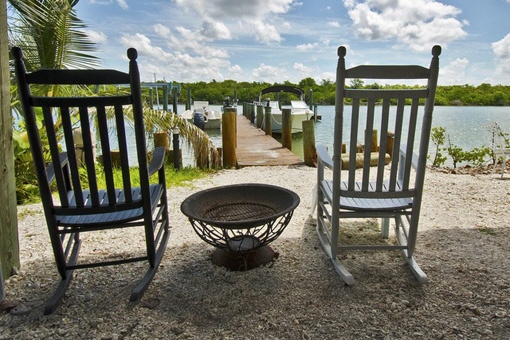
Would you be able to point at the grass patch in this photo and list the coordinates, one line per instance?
(173, 177)
(182, 177)
(487, 230)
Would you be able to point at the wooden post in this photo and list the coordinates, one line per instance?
(260, 116)
(287, 129)
(268, 118)
(309, 152)
(229, 137)
(161, 139)
(9, 242)
(390, 140)
(78, 145)
(188, 101)
(253, 108)
(375, 142)
(165, 98)
(115, 155)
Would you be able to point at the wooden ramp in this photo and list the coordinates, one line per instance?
(255, 148)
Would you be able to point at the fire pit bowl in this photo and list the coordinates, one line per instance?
(241, 220)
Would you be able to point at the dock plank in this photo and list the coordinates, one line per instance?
(255, 148)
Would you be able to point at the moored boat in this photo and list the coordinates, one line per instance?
(299, 108)
(202, 116)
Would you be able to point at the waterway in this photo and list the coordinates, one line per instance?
(464, 126)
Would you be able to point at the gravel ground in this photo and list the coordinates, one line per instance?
(463, 246)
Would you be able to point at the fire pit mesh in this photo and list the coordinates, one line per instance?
(239, 212)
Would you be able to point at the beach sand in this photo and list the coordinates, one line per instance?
(463, 247)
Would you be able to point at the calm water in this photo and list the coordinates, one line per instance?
(464, 126)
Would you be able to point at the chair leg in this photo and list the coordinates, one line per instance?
(420, 276)
(345, 275)
(142, 285)
(385, 227)
(53, 303)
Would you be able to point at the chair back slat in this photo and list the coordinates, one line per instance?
(104, 135)
(367, 133)
(67, 128)
(54, 154)
(87, 138)
(353, 148)
(383, 146)
(123, 148)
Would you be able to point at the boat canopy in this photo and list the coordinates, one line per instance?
(282, 88)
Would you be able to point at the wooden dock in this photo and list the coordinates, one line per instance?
(255, 148)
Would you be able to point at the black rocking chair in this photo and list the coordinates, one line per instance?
(63, 153)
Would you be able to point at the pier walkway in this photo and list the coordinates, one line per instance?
(255, 148)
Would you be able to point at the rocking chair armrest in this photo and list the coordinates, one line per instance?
(414, 161)
(323, 157)
(158, 160)
(50, 170)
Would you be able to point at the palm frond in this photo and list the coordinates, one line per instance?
(50, 34)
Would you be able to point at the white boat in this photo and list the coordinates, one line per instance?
(201, 114)
(299, 108)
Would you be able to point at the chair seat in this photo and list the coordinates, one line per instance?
(366, 203)
(116, 217)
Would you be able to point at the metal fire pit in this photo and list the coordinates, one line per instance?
(241, 220)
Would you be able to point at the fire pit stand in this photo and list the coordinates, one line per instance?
(240, 221)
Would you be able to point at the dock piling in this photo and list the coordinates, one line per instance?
(287, 128)
(309, 151)
(229, 138)
(268, 117)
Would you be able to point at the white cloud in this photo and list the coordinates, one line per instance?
(266, 33)
(161, 30)
(222, 17)
(185, 58)
(235, 69)
(501, 50)
(304, 71)
(214, 30)
(144, 46)
(96, 37)
(122, 4)
(335, 24)
(307, 47)
(240, 10)
(454, 73)
(268, 73)
(419, 23)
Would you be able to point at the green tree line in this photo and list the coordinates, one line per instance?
(215, 92)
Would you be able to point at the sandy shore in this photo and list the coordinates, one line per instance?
(463, 246)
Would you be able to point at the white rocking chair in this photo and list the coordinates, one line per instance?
(387, 191)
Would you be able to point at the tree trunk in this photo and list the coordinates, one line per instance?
(9, 243)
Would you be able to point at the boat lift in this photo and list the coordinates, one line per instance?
(168, 88)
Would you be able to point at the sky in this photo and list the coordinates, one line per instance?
(288, 40)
